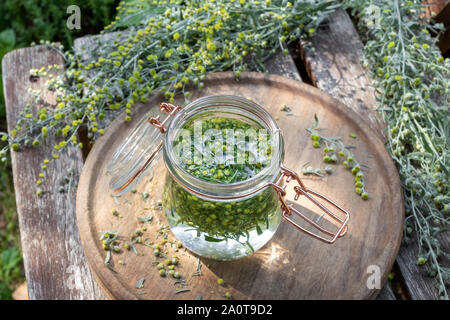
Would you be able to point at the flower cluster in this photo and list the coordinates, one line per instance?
(334, 150)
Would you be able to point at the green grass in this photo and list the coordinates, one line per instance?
(23, 22)
(11, 270)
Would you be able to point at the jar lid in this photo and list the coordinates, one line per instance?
(130, 162)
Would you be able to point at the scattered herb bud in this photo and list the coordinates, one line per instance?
(220, 281)
(365, 196)
(162, 273)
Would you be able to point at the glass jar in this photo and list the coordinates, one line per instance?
(210, 213)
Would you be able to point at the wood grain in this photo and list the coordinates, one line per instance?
(55, 267)
(341, 37)
(440, 9)
(334, 67)
(299, 266)
(419, 285)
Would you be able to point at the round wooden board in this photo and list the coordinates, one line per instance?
(292, 265)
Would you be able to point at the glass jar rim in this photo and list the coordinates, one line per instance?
(229, 104)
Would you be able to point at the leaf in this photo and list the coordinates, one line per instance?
(146, 219)
(10, 258)
(316, 123)
(211, 239)
(7, 39)
(258, 230)
(181, 290)
(140, 283)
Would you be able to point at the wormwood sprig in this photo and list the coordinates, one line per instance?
(168, 46)
(412, 80)
(334, 150)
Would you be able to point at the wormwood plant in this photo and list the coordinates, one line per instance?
(170, 45)
(167, 46)
(412, 79)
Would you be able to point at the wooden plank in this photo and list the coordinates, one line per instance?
(444, 41)
(55, 266)
(419, 285)
(283, 65)
(439, 9)
(334, 67)
(442, 10)
(443, 15)
(386, 293)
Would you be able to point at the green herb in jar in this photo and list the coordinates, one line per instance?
(223, 163)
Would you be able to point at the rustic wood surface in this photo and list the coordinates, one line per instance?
(299, 266)
(337, 46)
(55, 266)
(416, 282)
(415, 278)
(334, 67)
(439, 8)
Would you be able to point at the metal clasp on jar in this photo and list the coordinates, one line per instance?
(278, 186)
(301, 189)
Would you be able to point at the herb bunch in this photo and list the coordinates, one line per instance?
(412, 79)
(334, 150)
(168, 46)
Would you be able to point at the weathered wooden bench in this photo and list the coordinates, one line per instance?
(55, 265)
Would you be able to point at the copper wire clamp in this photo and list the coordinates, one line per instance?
(301, 189)
(287, 209)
